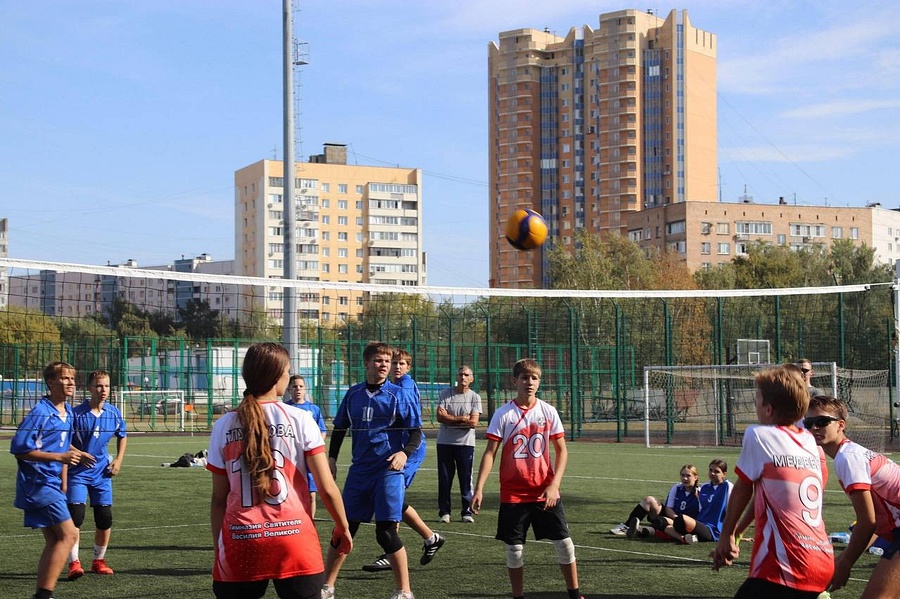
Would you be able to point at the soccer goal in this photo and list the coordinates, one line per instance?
(713, 405)
(159, 410)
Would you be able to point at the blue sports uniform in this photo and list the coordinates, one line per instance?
(415, 460)
(316, 412)
(92, 433)
(683, 501)
(713, 501)
(379, 423)
(39, 484)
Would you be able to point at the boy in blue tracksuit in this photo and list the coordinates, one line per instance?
(386, 424)
(42, 445)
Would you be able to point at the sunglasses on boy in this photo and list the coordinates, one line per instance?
(818, 421)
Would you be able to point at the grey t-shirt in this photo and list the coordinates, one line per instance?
(458, 404)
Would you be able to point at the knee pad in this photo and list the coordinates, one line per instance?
(515, 556)
(76, 510)
(565, 551)
(680, 525)
(103, 517)
(387, 537)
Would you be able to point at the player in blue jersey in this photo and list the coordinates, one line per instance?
(298, 398)
(42, 445)
(96, 423)
(432, 541)
(386, 422)
(683, 498)
(714, 497)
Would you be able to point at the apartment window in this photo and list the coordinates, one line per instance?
(326, 203)
(326, 187)
(342, 236)
(838, 232)
(342, 204)
(342, 220)
(359, 189)
(342, 252)
(706, 247)
(326, 220)
(359, 204)
(781, 239)
(854, 233)
(753, 228)
(723, 229)
(342, 188)
(675, 227)
(342, 268)
(326, 267)
(723, 249)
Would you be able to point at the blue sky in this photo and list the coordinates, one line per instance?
(121, 123)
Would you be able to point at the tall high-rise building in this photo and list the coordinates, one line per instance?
(355, 224)
(588, 128)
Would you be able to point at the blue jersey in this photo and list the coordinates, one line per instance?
(713, 501)
(379, 423)
(92, 433)
(406, 383)
(39, 484)
(683, 502)
(314, 411)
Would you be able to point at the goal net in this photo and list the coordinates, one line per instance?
(154, 410)
(713, 405)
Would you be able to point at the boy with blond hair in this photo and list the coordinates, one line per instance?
(529, 483)
(872, 482)
(783, 470)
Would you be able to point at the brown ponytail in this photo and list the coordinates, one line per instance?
(262, 368)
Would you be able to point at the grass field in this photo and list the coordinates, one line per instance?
(161, 545)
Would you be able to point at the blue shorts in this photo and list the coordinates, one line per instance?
(413, 463)
(100, 493)
(374, 493)
(890, 546)
(47, 516)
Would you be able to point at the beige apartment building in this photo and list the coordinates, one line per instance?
(593, 126)
(706, 234)
(359, 224)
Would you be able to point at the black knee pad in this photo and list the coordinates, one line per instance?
(387, 537)
(76, 510)
(680, 525)
(102, 516)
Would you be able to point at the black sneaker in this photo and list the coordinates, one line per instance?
(379, 565)
(428, 551)
(633, 526)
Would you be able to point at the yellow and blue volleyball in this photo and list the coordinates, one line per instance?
(526, 229)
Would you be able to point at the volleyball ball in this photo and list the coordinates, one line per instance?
(526, 229)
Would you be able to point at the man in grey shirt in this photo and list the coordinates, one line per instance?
(458, 411)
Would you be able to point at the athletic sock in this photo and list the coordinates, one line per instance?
(99, 552)
(431, 540)
(638, 512)
(73, 555)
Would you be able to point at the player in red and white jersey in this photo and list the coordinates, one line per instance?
(529, 485)
(781, 467)
(872, 482)
(260, 508)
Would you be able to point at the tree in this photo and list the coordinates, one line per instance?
(75, 330)
(25, 325)
(200, 320)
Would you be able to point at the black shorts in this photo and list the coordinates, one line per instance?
(757, 587)
(297, 587)
(514, 519)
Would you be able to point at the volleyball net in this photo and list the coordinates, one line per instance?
(163, 330)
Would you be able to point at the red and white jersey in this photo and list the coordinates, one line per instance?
(790, 547)
(274, 538)
(858, 468)
(524, 436)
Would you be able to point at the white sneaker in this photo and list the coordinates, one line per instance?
(467, 519)
(445, 518)
(327, 592)
(402, 595)
(620, 531)
(690, 539)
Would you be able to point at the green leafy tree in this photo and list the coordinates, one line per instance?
(24, 325)
(200, 320)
